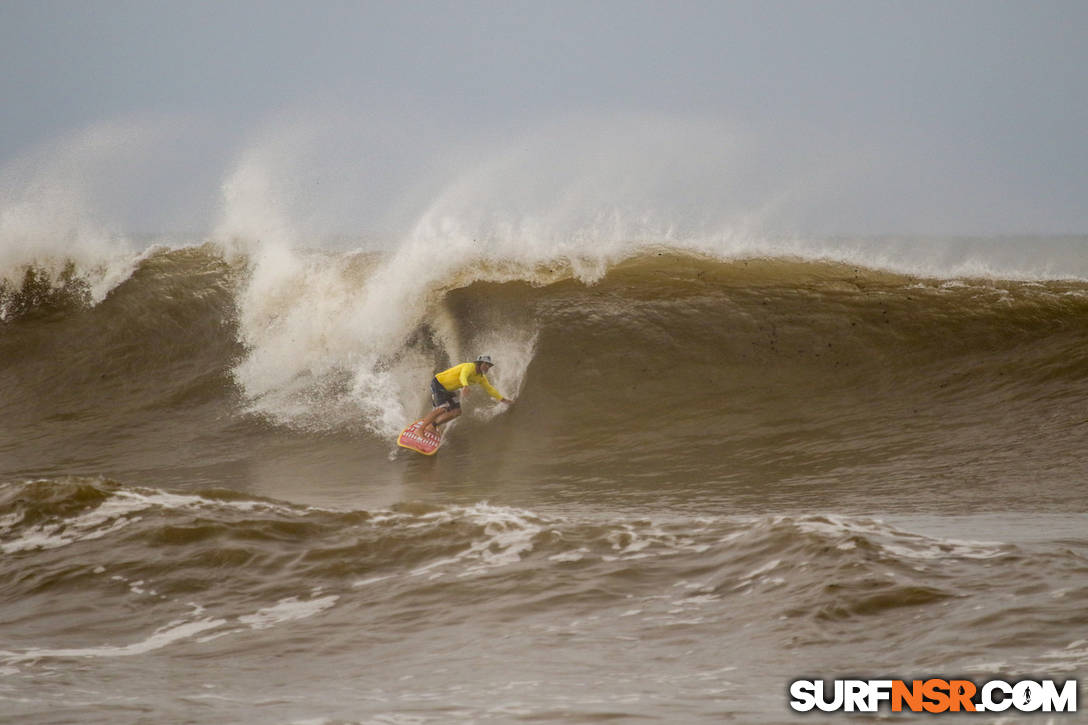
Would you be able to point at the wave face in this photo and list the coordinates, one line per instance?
(685, 366)
(722, 472)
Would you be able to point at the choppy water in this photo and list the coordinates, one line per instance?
(721, 474)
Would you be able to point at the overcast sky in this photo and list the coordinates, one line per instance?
(832, 117)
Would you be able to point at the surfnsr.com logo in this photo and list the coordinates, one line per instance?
(933, 696)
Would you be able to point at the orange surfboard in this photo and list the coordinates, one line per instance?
(425, 443)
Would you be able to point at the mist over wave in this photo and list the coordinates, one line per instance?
(581, 193)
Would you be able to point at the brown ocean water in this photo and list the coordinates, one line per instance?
(719, 476)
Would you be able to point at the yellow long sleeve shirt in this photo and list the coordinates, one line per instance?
(463, 375)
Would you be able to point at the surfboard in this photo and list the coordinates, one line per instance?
(425, 443)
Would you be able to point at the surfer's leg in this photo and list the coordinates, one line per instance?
(443, 400)
(446, 417)
(447, 409)
(430, 418)
(442, 417)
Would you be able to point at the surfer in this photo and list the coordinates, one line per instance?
(446, 385)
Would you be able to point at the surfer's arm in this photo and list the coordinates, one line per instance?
(491, 391)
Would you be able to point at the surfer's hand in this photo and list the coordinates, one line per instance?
(507, 401)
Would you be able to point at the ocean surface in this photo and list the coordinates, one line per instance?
(725, 470)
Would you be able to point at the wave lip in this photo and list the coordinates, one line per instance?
(336, 340)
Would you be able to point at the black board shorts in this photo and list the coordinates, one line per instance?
(443, 398)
